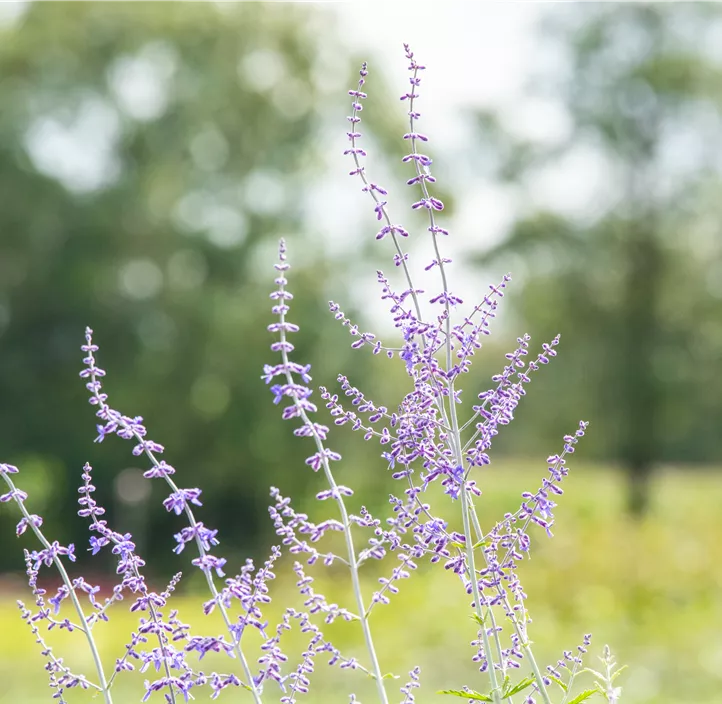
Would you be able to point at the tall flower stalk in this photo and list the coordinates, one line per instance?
(301, 407)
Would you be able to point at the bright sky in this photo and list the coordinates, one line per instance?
(481, 52)
(477, 55)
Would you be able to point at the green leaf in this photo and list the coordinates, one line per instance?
(387, 676)
(558, 681)
(582, 696)
(519, 687)
(478, 619)
(618, 672)
(473, 696)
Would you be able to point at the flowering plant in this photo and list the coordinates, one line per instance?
(424, 443)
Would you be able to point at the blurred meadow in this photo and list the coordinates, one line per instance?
(650, 588)
(151, 155)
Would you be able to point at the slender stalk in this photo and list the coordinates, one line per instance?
(469, 540)
(103, 683)
(351, 551)
(523, 639)
(495, 693)
(570, 684)
(490, 611)
(535, 669)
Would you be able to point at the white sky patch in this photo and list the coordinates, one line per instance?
(141, 84)
(223, 225)
(544, 122)
(226, 227)
(78, 147)
(11, 13)
(263, 192)
(291, 98)
(582, 184)
(483, 214)
(262, 69)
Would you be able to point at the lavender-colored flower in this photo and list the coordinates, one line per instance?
(180, 498)
(25, 521)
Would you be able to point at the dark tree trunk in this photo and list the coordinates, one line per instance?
(639, 483)
(640, 385)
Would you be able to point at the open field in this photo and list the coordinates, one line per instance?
(652, 590)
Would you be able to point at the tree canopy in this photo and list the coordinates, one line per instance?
(631, 276)
(150, 157)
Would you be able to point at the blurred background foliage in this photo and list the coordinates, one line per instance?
(151, 155)
(634, 279)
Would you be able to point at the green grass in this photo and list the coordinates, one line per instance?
(652, 590)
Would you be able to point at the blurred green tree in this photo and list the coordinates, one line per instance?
(631, 275)
(150, 157)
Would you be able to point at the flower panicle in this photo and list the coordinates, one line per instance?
(376, 192)
(298, 393)
(180, 502)
(364, 338)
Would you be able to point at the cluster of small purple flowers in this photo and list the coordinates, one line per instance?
(424, 444)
